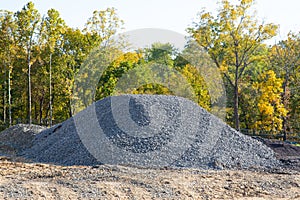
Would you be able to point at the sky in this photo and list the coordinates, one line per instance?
(174, 15)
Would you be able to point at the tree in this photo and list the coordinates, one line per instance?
(285, 58)
(271, 109)
(8, 53)
(75, 49)
(231, 39)
(197, 82)
(103, 25)
(41, 57)
(114, 72)
(162, 54)
(99, 31)
(248, 97)
(27, 26)
(200, 71)
(54, 28)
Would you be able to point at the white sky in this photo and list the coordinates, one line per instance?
(175, 15)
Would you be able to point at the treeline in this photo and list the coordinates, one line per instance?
(40, 57)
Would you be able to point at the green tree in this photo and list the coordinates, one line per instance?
(99, 32)
(160, 54)
(75, 49)
(285, 58)
(28, 21)
(231, 39)
(103, 25)
(54, 28)
(8, 55)
(114, 72)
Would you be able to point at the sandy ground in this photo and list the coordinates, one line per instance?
(19, 180)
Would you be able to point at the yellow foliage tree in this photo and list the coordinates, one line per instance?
(270, 107)
(198, 84)
(232, 39)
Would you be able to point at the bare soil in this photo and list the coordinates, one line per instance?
(288, 154)
(20, 180)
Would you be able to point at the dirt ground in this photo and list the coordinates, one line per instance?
(22, 180)
(42, 181)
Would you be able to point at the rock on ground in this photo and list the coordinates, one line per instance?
(151, 131)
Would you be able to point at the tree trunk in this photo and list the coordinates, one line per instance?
(236, 108)
(9, 97)
(4, 106)
(236, 98)
(284, 127)
(285, 101)
(70, 108)
(50, 89)
(29, 89)
(36, 113)
(4, 101)
(48, 112)
(41, 109)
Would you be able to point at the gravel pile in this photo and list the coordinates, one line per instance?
(17, 138)
(150, 131)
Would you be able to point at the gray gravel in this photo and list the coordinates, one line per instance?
(17, 138)
(150, 131)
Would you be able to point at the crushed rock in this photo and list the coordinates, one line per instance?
(17, 138)
(150, 131)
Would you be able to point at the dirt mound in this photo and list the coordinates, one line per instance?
(287, 153)
(282, 149)
(151, 131)
(17, 138)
